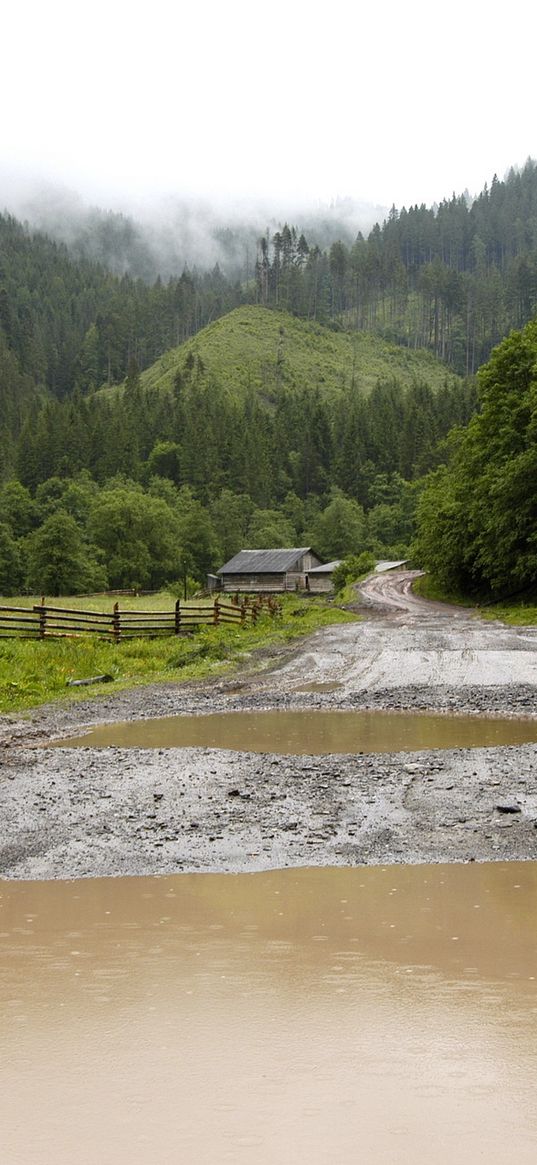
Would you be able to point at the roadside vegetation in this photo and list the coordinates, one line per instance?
(516, 611)
(351, 571)
(476, 515)
(428, 587)
(36, 672)
(516, 614)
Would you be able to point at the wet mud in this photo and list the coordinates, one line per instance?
(374, 1015)
(90, 812)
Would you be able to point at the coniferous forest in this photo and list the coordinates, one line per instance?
(148, 428)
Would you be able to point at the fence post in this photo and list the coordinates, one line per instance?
(216, 612)
(116, 623)
(177, 616)
(244, 612)
(42, 618)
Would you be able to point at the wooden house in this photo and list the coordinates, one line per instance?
(320, 578)
(268, 570)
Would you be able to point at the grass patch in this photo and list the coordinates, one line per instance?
(162, 601)
(348, 593)
(516, 613)
(520, 614)
(258, 348)
(427, 587)
(34, 672)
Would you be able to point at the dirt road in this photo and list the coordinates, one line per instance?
(428, 651)
(90, 812)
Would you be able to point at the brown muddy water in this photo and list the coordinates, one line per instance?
(310, 1016)
(311, 732)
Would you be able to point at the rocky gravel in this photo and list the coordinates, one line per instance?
(70, 813)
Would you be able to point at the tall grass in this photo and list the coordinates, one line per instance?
(33, 672)
(517, 613)
(162, 601)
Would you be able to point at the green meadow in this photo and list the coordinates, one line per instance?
(34, 672)
(254, 348)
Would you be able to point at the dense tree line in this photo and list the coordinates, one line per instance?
(454, 278)
(139, 486)
(73, 325)
(200, 435)
(477, 516)
(72, 535)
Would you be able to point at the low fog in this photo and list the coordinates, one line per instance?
(161, 236)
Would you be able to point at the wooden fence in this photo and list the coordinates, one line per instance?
(46, 622)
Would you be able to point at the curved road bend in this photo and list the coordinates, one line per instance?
(391, 591)
(410, 642)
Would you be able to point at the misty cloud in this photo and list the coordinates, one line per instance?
(147, 238)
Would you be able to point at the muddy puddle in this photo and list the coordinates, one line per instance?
(320, 686)
(311, 732)
(309, 1016)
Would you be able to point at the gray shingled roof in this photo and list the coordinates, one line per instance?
(326, 568)
(382, 566)
(263, 561)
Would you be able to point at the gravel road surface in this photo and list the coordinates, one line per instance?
(90, 812)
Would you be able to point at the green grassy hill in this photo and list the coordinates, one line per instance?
(257, 348)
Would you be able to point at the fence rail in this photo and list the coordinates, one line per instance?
(46, 622)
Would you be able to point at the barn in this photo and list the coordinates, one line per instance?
(320, 578)
(268, 570)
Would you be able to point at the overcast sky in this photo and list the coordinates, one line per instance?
(399, 102)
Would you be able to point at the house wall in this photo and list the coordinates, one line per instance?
(295, 579)
(307, 562)
(277, 583)
(252, 582)
(320, 584)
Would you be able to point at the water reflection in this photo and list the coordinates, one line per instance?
(314, 732)
(308, 1015)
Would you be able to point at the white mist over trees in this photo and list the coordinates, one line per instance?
(160, 237)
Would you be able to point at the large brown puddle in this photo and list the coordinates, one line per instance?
(301, 1016)
(318, 732)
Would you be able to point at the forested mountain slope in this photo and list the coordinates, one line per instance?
(266, 412)
(258, 403)
(71, 324)
(256, 349)
(454, 278)
(277, 432)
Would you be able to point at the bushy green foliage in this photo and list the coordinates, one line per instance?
(58, 561)
(477, 517)
(269, 529)
(354, 567)
(17, 508)
(12, 564)
(138, 535)
(340, 529)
